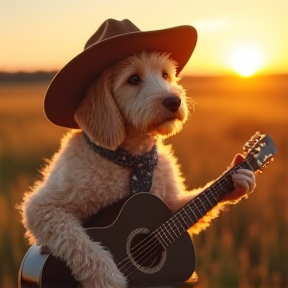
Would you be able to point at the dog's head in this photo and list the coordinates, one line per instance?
(140, 92)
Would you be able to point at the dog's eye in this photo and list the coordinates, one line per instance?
(165, 75)
(134, 79)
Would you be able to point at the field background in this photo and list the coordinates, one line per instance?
(247, 246)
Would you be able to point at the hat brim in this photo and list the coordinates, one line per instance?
(68, 88)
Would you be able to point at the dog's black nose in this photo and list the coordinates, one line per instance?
(172, 103)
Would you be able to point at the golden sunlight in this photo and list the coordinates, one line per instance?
(246, 60)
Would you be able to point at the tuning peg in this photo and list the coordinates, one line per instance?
(249, 144)
(265, 165)
(246, 148)
(256, 136)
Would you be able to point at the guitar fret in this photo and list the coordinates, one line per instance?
(167, 234)
(184, 221)
(245, 165)
(192, 222)
(229, 184)
(165, 230)
(201, 202)
(159, 238)
(193, 213)
(213, 194)
(162, 234)
(179, 223)
(172, 229)
(212, 205)
(197, 209)
(202, 195)
(218, 190)
(200, 206)
(205, 201)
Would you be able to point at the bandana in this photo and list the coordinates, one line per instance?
(142, 165)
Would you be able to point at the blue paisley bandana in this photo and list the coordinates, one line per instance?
(142, 165)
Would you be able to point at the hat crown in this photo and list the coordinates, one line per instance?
(113, 41)
(111, 28)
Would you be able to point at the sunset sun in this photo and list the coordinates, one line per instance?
(246, 61)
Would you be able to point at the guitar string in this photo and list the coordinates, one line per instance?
(143, 256)
(151, 254)
(156, 242)
(169, 229)
(155, 238)
(229, 173)
(136, 270)
(175, 216)
(150, 248)
(160, 227)
(173, 222)
(198, 199)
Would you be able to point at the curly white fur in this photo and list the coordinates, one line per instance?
(78, 182)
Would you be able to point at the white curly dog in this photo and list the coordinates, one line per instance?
(133, 104)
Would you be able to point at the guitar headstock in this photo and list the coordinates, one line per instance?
(259, 151)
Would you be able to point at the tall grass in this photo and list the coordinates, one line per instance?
(247, 246)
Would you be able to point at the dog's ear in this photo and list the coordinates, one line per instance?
(99, 117)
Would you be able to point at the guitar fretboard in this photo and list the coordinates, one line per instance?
(188, 215)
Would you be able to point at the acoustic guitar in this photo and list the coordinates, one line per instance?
(150, 244)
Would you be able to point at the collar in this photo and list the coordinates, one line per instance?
(142, 165)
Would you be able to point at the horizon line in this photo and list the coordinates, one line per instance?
(183, 75)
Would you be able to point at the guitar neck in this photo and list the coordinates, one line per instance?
(188, 215)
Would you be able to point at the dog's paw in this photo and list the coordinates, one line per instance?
(244, 184)
(116, 281)
(120, 281)
(104, 274)
(243, 181)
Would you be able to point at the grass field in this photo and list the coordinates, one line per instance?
(247, 246)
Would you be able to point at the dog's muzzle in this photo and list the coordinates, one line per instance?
(172, 103)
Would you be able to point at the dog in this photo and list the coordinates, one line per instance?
(134, 104)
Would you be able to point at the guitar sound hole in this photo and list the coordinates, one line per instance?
(146, 250)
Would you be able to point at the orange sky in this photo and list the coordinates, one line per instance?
(46, 34)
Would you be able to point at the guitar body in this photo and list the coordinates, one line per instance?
(121, 228)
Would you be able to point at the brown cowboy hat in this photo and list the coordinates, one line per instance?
(113, 41)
